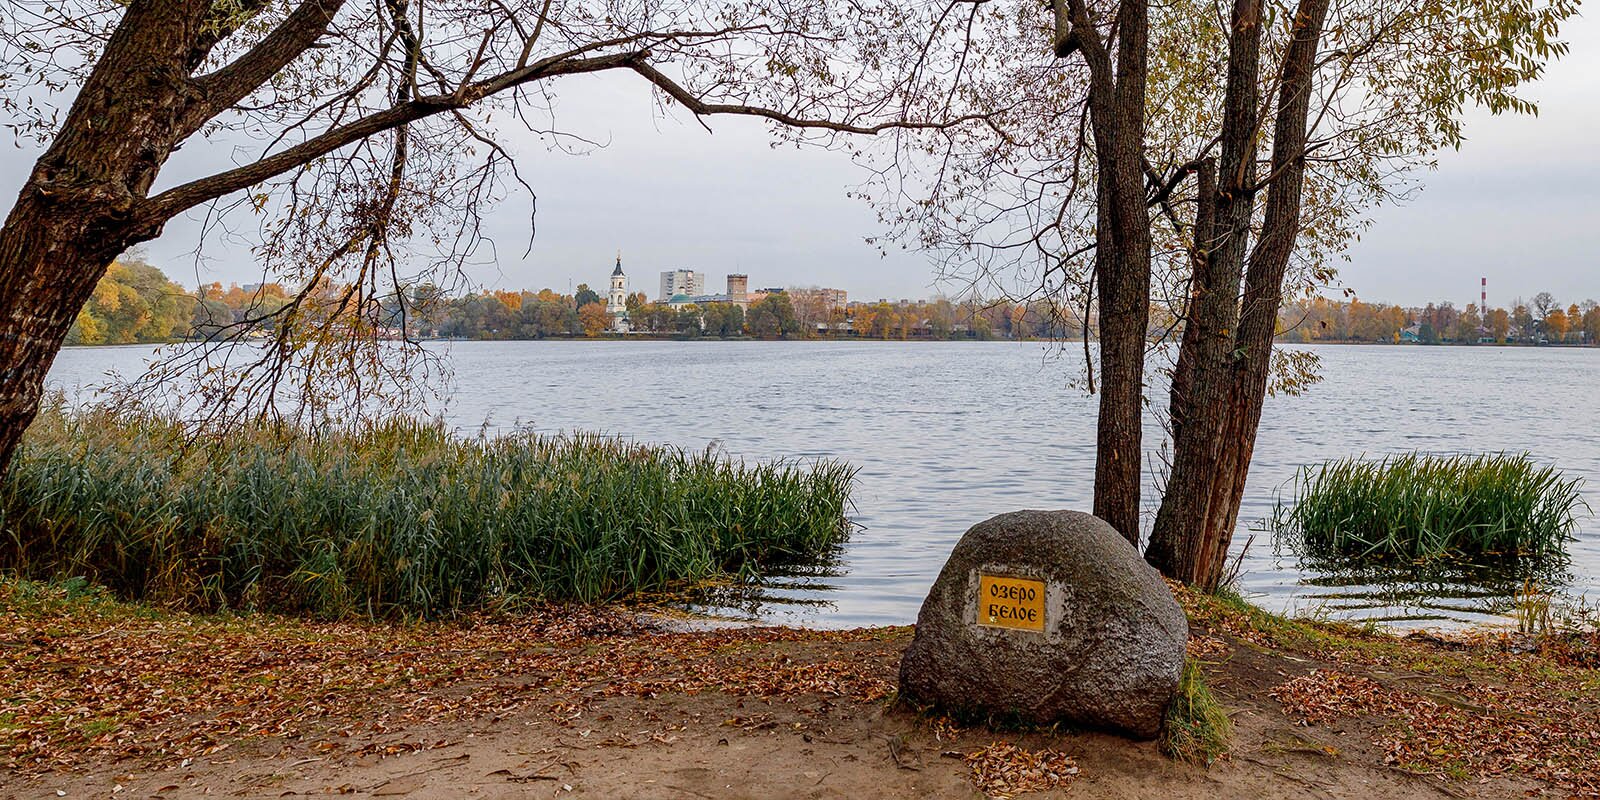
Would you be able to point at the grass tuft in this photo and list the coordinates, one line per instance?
(1197, 729)
(1420, 508)
(395, 518)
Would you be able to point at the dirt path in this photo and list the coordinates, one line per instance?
(104, 701)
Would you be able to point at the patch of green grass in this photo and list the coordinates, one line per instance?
(1197, 728)
(1420, 508)
(98, 727)
(396, 518)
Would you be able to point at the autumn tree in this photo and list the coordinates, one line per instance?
(863, 318)
(1591, 325)
(653, 317)
(722, 319)
(511, 300)
(772, 316)
(1522, 318)
(1499, 324)
(584, 296)
(811, 308)
(1467, 325)
(1278, 127)
(1556, 322)
(687, 321)
(546, 313)
(594, 318)
(360, 143)
(134, 302)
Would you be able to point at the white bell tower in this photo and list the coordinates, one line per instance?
(617, 300)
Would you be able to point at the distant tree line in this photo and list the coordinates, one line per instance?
(1540, 321)
(135, 302)
(795, 313)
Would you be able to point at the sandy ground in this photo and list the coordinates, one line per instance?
(715, 746)
(628, 713)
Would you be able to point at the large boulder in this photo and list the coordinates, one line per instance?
(1048, 616)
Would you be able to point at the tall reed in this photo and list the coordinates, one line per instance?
(1417, 507)
(399, 517)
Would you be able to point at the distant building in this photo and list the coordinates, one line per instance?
(762, 294)
(739, 289)
(681, 281)
(835, 298)
(617, 300)
(681, 300)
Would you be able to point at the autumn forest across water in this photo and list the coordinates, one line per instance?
(137, 303)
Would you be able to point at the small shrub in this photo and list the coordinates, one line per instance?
(1418, 508)
(397, 517)
(1197, 728)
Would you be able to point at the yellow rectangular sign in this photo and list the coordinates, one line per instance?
(1016, 603)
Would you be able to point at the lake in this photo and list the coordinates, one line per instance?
(948, 434)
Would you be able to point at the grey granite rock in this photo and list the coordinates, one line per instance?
(1111, 646)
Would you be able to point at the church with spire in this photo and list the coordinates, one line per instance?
(617, 300)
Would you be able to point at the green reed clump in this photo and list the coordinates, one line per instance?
(398, 517)
(1424, 508)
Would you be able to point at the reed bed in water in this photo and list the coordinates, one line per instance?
(1423, 508)
(396, 518)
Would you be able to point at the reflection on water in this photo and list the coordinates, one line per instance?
(1428, 594)
(948, 434)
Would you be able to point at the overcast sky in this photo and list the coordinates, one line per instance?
(1518, 205)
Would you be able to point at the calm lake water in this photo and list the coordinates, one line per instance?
(948, 434)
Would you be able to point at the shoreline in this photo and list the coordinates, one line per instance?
(1076, 342)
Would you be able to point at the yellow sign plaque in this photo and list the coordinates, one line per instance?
(1016, 603)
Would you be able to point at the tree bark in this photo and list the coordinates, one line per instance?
(1263, 288)
(1206, 350)
(1222, 406)
(1183, 368)
(1122, 255)
(75, 212)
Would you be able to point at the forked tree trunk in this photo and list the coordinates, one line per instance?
(1199, 399)
(1205, 489)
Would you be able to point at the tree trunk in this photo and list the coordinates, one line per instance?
(1179, 537)
(46, 275)
(1122, 255)
(1223, 394)
(1183, 369)
(76, 212)
(1263, 290)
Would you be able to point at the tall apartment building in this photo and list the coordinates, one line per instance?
(682, 281)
